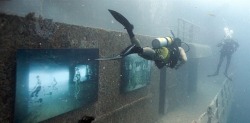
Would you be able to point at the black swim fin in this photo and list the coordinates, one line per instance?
(121, 19)
(211, 75)
(228, 77)
(215, 74)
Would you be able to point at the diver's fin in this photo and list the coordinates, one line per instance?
(128, 50)
(228, 77)
(121, 19)
(110, 58)
(215, 74)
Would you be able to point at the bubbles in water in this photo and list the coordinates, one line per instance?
(228, 32)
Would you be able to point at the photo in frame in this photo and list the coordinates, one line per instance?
(136, 73)
(50, 82)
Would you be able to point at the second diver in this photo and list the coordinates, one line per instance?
(229, 46)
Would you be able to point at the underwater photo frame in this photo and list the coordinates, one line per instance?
(51, 82)
(136, 73)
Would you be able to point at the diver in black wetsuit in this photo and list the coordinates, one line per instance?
(166, 51)
(229, 46)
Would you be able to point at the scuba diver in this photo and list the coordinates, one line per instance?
(166, 51)
(229, 46)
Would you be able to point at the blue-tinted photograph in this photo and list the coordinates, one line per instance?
(51, 82)
(136, 73)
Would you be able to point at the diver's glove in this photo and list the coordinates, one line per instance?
(176, 67)
(159, 64)
(218, 45)
(235, 49)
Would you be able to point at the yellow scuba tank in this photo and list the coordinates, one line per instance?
(162, 42)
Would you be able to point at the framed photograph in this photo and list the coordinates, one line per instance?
(135, 73)
(50, 82)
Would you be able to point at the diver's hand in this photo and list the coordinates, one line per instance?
(218, 45)
(177, 67)
(235, 49)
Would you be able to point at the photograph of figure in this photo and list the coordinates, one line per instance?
(48, 80)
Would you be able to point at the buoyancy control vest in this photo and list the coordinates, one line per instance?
(174, 55)
(168, 49)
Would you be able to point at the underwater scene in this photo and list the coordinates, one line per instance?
(135, 73)
(124, 61)
(54, 81)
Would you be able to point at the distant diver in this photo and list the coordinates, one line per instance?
(229, 46)
(166, 51)
(37, 87)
